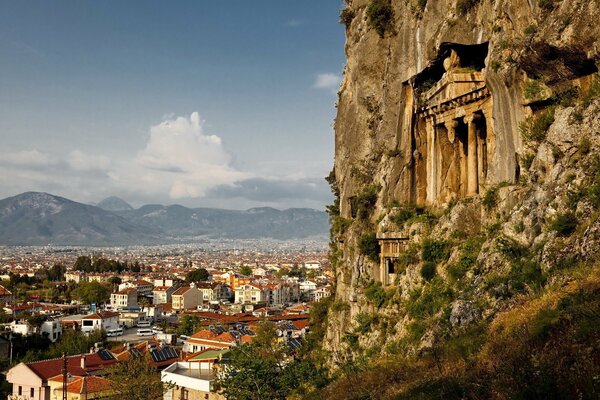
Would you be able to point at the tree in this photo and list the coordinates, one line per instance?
(265, 369)
(246, 270)
(188, 325)
(115, 280)
(91, 292)
(83, 263)
(136, 379)
(197, 275)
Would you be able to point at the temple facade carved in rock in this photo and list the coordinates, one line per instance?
(453, 139)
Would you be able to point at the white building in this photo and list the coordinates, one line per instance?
(124, 298)
(106, 320)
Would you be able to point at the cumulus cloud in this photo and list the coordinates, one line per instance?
(328, 81)
(184, 161)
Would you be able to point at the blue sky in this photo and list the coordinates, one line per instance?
(201, 103)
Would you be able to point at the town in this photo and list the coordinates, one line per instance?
(71, 316)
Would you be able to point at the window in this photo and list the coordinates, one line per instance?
(32, 392)
(184, 394)
(20, 390)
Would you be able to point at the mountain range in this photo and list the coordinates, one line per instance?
(35, 218)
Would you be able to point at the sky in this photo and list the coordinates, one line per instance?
(203, 103)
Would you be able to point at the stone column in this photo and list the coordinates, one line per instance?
(431, 161)
(451, 127)
(472, 174)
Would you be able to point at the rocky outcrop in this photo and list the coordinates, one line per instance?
(499, 93)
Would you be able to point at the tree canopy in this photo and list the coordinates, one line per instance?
(266, 369)
(197, 275)
(91, 292)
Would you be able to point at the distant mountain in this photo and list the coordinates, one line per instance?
(114, 203)
(177, 220)
(34, 218)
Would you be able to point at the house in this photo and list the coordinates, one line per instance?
(252, 293)
(160, 355)
(216, 338)
(124, 298)
(193, 379)
(232, 279)
(106, 320)
(312, 264)
(75, 276)
(165, 281)
(163, 294)
(213, 290)
(52, 330)
(6, 296)
(32, 380)
(31, 308)
(322, 293)
(186, 297)
(80, 387)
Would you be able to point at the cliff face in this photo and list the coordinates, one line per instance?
(466, 145)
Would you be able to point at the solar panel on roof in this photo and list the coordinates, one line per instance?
(105, 355)
(171, 353)
(135, 352)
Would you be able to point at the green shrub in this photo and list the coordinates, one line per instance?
(369, 246)
(364, 321)
(464, 264)
(376, 294)
(339, 306)
(535, 128)
(526, 273)
(428, 270)
(403, 215)
(546, 4)
(380, 16)
(363, 204)
(530, 30)
(490, 199)
(585, 146)
(532, 90)
(464, 6)
(346, 16)
(428, 301)
(435, 250)
(564, 224)
(509, 248)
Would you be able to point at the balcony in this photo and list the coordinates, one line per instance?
(190, 375)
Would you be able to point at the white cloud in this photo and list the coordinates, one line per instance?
(27, 159)
(294, 23)
(328, 81)
(180, 159)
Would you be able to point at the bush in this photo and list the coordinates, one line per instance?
(403, 215)
(490, 199)
(428, 301)
(532, 90)
(535, 128)
(364, 321)
(380, 16)
(546, 4)
(464, 6)
(428, 270)
(564, 224)
(458, 270)
(369, 246)
(376, 294)
(346, 16)
(363, 204)
(435, 250)
(585, 146)
(509, 248)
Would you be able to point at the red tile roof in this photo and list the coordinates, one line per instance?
(48, 368)
(101, 315)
